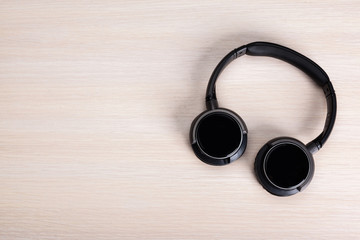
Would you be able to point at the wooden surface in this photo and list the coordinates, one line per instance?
(96, 102)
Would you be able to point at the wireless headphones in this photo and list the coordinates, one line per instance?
(284, 166)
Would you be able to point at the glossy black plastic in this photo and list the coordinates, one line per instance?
(284, 166)
(218, 136)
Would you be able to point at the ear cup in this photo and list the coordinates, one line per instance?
(218, 136)
(284, 166)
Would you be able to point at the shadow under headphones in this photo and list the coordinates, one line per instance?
(283, 166)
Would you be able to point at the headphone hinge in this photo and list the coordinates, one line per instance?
(313, 147)
(328, 89)
(211, 104)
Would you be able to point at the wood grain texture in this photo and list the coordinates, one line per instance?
(96, 102)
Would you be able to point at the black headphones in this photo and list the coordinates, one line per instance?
(284, 166)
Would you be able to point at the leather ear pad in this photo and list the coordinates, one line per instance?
(218, 136)
(284, 166)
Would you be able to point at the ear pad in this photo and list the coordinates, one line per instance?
(218, 136)
(284, 166)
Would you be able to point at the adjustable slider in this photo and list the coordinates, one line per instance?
(328, 89)
(240, 51)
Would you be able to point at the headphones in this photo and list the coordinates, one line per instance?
(284, 165)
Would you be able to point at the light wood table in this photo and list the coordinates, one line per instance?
(96, 102)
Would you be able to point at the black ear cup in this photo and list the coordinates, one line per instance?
(218, 136)
(284, 166)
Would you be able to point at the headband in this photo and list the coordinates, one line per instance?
(296, 59)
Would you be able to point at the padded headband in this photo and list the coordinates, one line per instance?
(296, 59)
